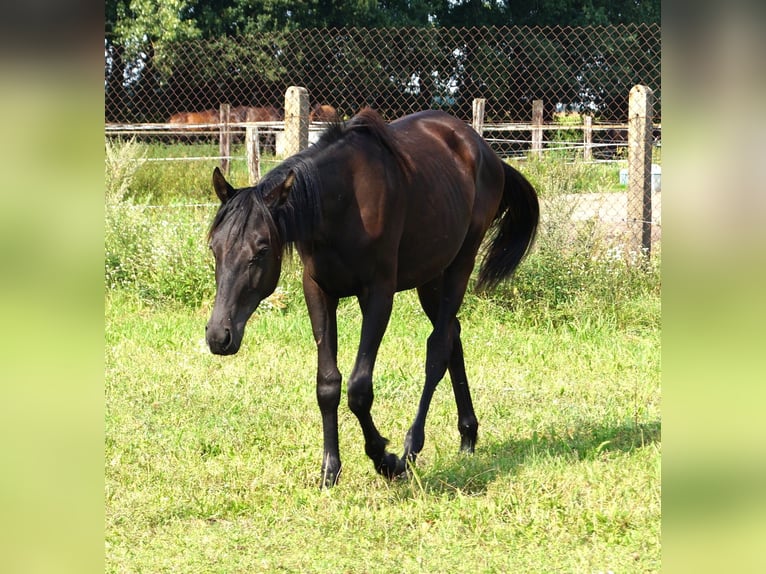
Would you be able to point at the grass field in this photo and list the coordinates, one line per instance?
(212, 463)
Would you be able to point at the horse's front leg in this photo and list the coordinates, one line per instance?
(322, 311)
(376, 306)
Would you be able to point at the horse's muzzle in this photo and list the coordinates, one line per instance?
(220, 340)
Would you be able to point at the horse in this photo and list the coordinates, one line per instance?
(323, 113)
(373, 209)
(265, 114)
(206, 117)
(178, 118)
(238, 114)
(192, 118)
(256, 114)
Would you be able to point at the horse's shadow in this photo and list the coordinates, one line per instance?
(471, 474)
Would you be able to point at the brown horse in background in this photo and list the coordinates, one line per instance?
(195, 118)
(239, 114)
(244, 114)
(211, 119)
(323, 113)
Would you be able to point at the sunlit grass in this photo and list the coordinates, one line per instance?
(214, 462)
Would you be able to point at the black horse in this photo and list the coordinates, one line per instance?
(374, 209)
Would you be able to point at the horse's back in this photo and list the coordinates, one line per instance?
(412, 196)
(262, 114)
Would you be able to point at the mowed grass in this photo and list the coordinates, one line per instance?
(212, 463)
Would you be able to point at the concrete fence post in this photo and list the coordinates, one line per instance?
(296, 120)
(640, 114)
(224, 146)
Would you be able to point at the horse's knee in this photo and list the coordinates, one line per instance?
(328, 390)
(360, 395)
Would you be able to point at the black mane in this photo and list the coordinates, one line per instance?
(297, 218)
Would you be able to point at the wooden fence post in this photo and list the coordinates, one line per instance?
(587, 137)
(296, 120)
(478, 115)
(537, 128)
(224, 147)
(253, 154)
(640, 112)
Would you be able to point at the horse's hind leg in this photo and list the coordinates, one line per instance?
(467, 424)
(441, 300)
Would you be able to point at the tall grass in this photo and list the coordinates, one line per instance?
(160, 251)
(123, 159)
(576, 270)
(555, 176)
(168, 173)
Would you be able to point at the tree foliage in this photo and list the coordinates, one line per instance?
(163, 20)
(183, 54)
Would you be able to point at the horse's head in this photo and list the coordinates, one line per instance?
(248, 258)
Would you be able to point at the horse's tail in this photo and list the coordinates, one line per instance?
(513, 232)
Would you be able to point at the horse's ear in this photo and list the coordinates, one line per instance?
(279, 194)
(223, 190)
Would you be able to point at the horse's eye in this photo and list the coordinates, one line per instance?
(258, 257)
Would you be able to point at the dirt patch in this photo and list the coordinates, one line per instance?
(609, 212)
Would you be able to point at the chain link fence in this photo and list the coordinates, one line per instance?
(396, 71)
(546, 91)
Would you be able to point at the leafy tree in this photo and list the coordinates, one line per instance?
(171, 55)
(140, 36)
(545, 12)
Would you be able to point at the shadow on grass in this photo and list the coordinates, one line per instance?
(471, 474)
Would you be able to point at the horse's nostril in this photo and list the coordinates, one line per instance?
(227, 340)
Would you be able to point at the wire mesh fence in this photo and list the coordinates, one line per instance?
(396, 71)
(555, 91)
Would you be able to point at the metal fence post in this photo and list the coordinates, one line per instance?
(640, 113)
(296, 120)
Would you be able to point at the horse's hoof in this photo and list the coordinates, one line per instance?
(329, 478)
(391, 466)
(467, 445)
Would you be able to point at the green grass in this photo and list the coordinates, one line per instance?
(558, 175)
(212, 463)
(163, 177)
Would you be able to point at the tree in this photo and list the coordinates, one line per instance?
(140, 35)
(172, 55)
(546, 12)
